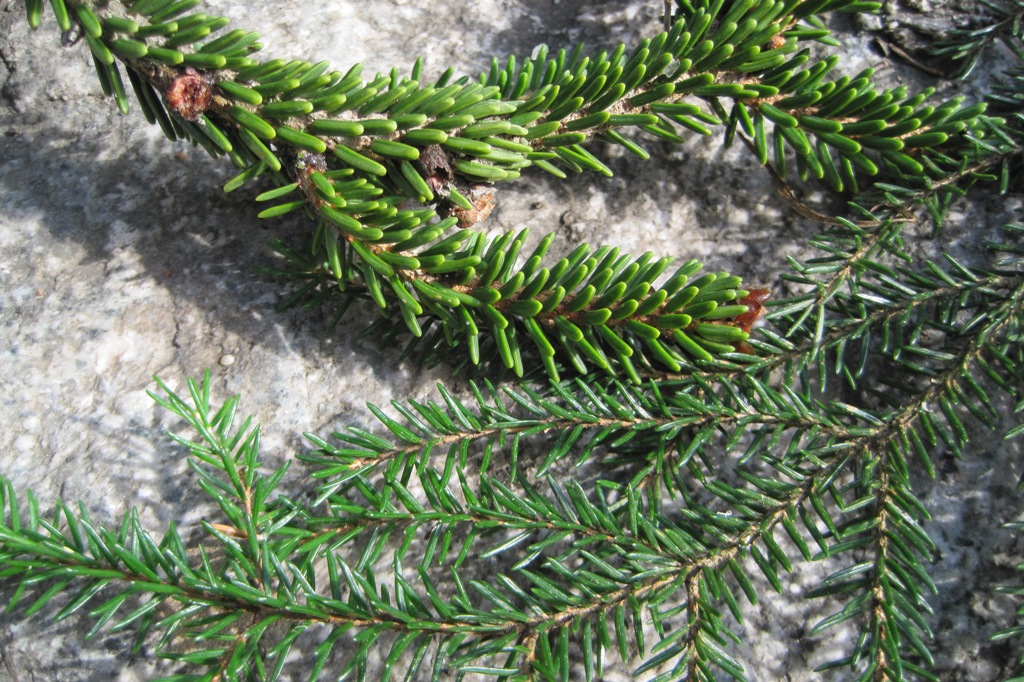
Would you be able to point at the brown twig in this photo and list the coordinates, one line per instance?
(900, 52)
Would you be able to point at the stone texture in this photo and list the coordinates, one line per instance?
(121, 259)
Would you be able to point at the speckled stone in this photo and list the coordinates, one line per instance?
(121, 260)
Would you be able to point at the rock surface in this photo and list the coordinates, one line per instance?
(121, 259)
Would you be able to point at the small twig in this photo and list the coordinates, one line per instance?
(900, 52)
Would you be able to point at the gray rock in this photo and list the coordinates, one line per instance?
(121, 259)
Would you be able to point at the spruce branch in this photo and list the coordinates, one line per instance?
(276, 581)
(722, 451)
(355, 153)
(1000, 22)
(583, 564)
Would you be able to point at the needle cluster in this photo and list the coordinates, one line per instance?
(473, 536)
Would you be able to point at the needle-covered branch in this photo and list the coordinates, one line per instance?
(524, 533)
(359, 154)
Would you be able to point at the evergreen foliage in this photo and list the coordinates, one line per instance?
(726, 454)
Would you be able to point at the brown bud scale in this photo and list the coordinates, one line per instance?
(482, 199)
(754, 300)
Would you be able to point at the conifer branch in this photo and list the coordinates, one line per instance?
(966, 46)
(721, 448)
(353, 151)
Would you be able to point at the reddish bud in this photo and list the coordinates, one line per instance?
(755, 308)
(189, 95)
